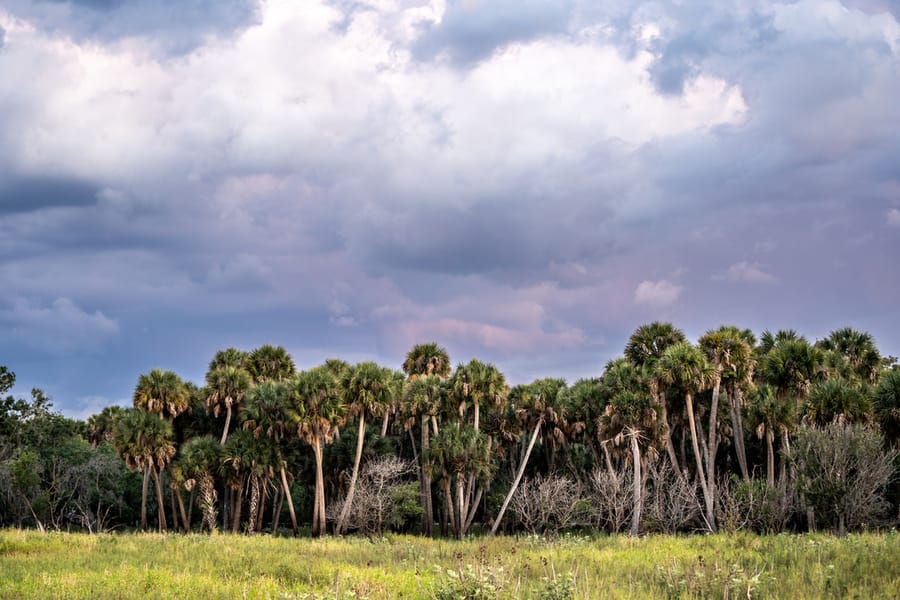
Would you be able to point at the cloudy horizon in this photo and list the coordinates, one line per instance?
(525, 182)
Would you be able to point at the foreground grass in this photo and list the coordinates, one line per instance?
(60, 565)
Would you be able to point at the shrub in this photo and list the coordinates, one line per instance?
(842, 473)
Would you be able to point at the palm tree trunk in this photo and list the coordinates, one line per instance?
(667, 432)
(737, 428)
(707, 496)
(227, 421)
(208, 499)
(172, 506)
(181, 510)
(254, 503)
(161, 505)
(608, 460)
(427, 504)
(384, 422)
(477, 414)
(473, 508)
(290, 500)
(277, 505)
(518, 479)
(638, 488)
(345, 510)
(460, 515)
(319, 521)
(191, 506)
(770, 456)
(448, 497)
(238, 506)
(144, 489)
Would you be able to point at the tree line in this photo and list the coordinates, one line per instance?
(772, 434)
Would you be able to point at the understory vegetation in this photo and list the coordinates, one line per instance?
(731, 433)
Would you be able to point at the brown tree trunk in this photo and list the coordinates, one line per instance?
(290, 500)
(254, 503)
(428, 506)
(144, 490)
(518, 479)
(319, 521)
(707, 496)
(638, 485)
(667, 433)
(348, 503)
(161, 505)
(770, 456)
(737, 427)
(227, 421)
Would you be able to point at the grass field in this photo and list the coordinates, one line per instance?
(60, 565)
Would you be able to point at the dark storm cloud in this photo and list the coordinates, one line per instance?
(31, 194)
(177, 26)
(471, 30)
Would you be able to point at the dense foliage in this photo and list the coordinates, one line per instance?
(731, 432)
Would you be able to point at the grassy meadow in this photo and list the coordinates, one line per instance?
(742, 565)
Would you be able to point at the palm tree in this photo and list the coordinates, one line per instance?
(730, 354)
(686, 368)
(859, 349)
(367, 389)
(535, 407)
(270, 362)
(886, 404)
(201, 458)
(459, 452)
(269, 412)
(427, 359)
(321, 411)
(837, 400)
(478, 382)
(423, 399)
(644, 349)
(144, 441)
(164, 393)
(229, 357)
(227, 386)
(161, 392)
(101, 426)
(767, 414)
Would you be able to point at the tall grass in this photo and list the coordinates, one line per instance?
(742, 565)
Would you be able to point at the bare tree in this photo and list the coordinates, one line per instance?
(548, 504)
(611, 496)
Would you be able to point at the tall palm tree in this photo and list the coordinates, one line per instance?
(859, 349)
(269, 412)
(685, 367)
(144, 441)
(270, 362)
(730, 354)
(478, 382)
(201, 459)
(424, 397)
(161, 392)
(227, 386)
(886, 404)
(837, 399)
(166, 394)
(229, 357)
(427, 359)
(644, 348)
(535, 407)
(320, 410)
(459, 452)
(367, 389)
(769, 414)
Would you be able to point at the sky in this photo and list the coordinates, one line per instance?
(523, 181)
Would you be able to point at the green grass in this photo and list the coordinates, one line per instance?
(60, 565)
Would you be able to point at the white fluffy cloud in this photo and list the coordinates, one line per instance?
(657, 293)
(748, 272)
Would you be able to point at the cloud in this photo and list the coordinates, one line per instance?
(471, 30)
(747, 272)
(657, 293)
(893, 217)
(60, 327)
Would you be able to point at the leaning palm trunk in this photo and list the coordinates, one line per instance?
(345, 510)
(518, 479)
(638, 484)
(667, 432)
(287, 494)
(707, 496)
(227, 420)
(159, 500)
